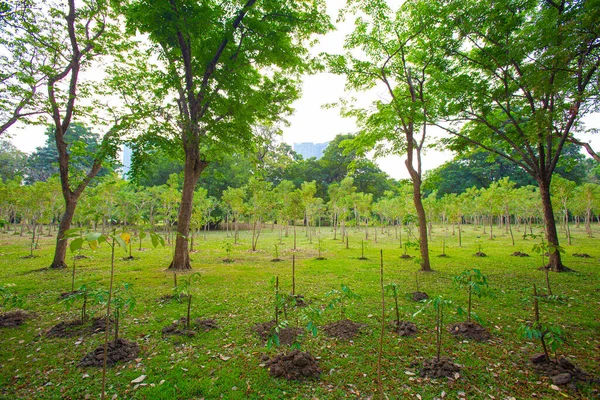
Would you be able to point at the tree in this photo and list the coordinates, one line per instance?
(12, 161)
(517, 80)
(216, 59)
(392, 54)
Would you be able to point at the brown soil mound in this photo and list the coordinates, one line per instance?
(344, 329)
(419, 296)
(66, 329)
(561, 372)
(444, 367)
(406, 256)
(13, 318)
(179, 327)
(470, 330)
(405, 328)
(480, 254)
(294, 365)
(119, 350)
(519, 254)
(582, 255)
(287, 336)
(68, 294)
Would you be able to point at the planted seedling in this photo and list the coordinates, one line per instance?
(321, 249)
(185, 291)
(475, 283)
(276, 253)
(443, 248)
(409, 245)
(79, 240)
(549, 336)
(228, 249)
(122, 301)
(84, 292)
(343, 297)
(479, 252)
(544, 248)
(403, 328)
(418, 295)
(362, 246)
(439, 366)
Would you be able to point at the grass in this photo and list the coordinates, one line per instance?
(225, 363)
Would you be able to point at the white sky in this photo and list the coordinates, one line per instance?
(311, 122)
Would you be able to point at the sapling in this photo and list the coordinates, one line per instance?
(392, 289)
(79, 240)
(122, 301)
(362, 257)
(409, 245)
(542, 248)
(320, 249)
(84, 292)
(345, 295)
(185, 291)
(475, 283)
(276, 253)
(549, 336)
(438, 304)
(228, 249)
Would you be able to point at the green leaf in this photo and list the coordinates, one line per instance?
(76, 244)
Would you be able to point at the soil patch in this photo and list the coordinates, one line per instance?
(519, 254)
(167, 298)
(13, 318)
(287, 336)
(80, 257)
(561, 372)
(66, 329)
(295, 365)
(480, 254)
(444, 367)
(470, 330)
(228, 260)
(276, 260)
(406, 256)
(344, 329)
(324, 258)
(179, 327)
(119, 350)
(405, 328)
(443, 255)
(130, 258)
(419, 296)
(582, 255)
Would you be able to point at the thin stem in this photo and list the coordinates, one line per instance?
(379, 382)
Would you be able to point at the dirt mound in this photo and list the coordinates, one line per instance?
(344, 329)
(519, 254)
(405, 328)
(119, 350)
(444, 367)
(66, 329)
(582, 255)
(419, 296)
(470, 330)
(406, 256)
(480, 254)
(13, 318)
(68, 294)
(179, 327)
(167, 298)
(561, 372)
(287, 336)
(294, 365)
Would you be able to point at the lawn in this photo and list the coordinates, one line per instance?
(228, 362)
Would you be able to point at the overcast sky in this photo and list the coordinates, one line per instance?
(311, 122)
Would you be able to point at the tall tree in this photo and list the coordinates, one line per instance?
(387, 50)
(231, 65)
(12, 161)
(518, 77)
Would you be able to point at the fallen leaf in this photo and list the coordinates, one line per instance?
(139, 379)
(224, 358)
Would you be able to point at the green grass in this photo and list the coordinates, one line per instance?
(238, 295)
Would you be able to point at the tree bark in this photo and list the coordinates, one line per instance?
(555, 262)
(60, 253)
(192, 170)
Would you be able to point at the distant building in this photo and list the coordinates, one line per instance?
(126, 160)
(309, 149)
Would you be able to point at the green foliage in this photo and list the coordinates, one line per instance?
(9, 300)
(552, 336)
(342, 297)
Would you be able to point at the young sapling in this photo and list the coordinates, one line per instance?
(341, 297)
(276, 253)
(474, 282)
(362, 245)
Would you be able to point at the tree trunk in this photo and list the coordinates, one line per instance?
(60, 252)
(193, 167)
(555, 262)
